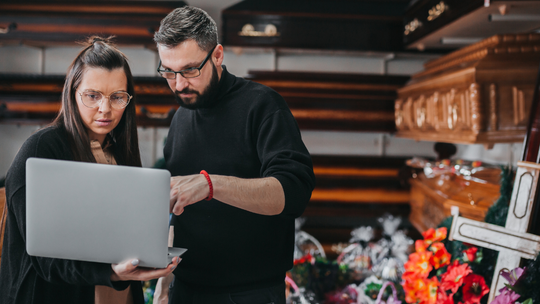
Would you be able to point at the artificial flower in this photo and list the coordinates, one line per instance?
(507, 296)
(513, 275)
(420, 246)
(444, 298)
(413, 288)
(474, 288)
(470, 254)
(440, 256)
(431, 235)
(452, 279)
(428, 295)
(307, 258)
(418, 264)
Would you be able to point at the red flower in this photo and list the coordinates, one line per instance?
(474, 288)
(420, 246)
(440, 257)
(470, 254)
(307, 258)
(452, 279)
(444, 298)
(431, 235)
(418, 264)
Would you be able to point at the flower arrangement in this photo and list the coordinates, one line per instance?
(431, 277)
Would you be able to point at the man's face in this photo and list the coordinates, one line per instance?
(190, 92)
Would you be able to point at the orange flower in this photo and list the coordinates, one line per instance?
(440, 257)
(418, 264)
(428, 294)
(414, 288)
(420, 246)
(452, 279)
(432, 235)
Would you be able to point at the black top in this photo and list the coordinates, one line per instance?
(248, 132)
(30, 279)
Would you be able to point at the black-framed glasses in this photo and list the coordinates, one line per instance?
(118, 99)
(187, 73)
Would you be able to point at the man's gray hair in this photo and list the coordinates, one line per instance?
(185, 23)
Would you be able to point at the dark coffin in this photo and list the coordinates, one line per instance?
(442, 24)
(336, 101)
(368, 25)
(61, 21)
(35, 99)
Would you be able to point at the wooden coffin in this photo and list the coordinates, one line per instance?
(35, 99)
(479, 94)
(332, 101)
(451, 24)
(368, 25)
(64, 21)
(433, 198)
(354, 191)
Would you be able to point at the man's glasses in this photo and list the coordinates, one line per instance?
(187, 73)
(118, 100)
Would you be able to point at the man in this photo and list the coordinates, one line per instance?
(237, 217)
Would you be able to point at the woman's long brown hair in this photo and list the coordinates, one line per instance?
(99, 53)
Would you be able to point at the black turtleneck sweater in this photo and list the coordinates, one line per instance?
(247, 132)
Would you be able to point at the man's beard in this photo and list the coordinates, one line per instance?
(203, 100)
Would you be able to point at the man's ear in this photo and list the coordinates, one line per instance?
(218, 55)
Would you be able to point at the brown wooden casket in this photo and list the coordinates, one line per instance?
(479, 94)
(433, 198)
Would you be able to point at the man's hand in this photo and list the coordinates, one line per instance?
(187, 190)
(128, 271)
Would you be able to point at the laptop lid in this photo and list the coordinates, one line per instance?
(96, 212)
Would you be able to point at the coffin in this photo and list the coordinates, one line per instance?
(334, 101)
(35, 99)
(451, 24)
(368, 25)
(433, 198)
(63, 21)
(479, 94)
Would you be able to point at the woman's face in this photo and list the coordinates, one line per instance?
(103, 118)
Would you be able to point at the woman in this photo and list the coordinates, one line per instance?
(96, 124)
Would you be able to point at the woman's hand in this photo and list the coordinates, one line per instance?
(128, 271)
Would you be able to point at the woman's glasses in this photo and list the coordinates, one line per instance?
(118, 100)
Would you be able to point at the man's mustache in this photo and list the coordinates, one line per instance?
(186, 91)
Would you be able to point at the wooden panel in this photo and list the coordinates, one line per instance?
(375, 25)
(479, 94)
(61, 21)
(336, 101)
(35, 99)
(353, 191)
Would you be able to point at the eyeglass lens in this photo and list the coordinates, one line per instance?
(118, 100)
(189, 73)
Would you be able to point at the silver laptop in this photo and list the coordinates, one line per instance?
(98, 213)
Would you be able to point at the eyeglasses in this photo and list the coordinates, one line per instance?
(118, 100)
(187, 73)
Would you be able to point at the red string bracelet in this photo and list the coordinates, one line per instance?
(211, 193)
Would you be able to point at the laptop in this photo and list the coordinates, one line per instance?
(98, 213)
